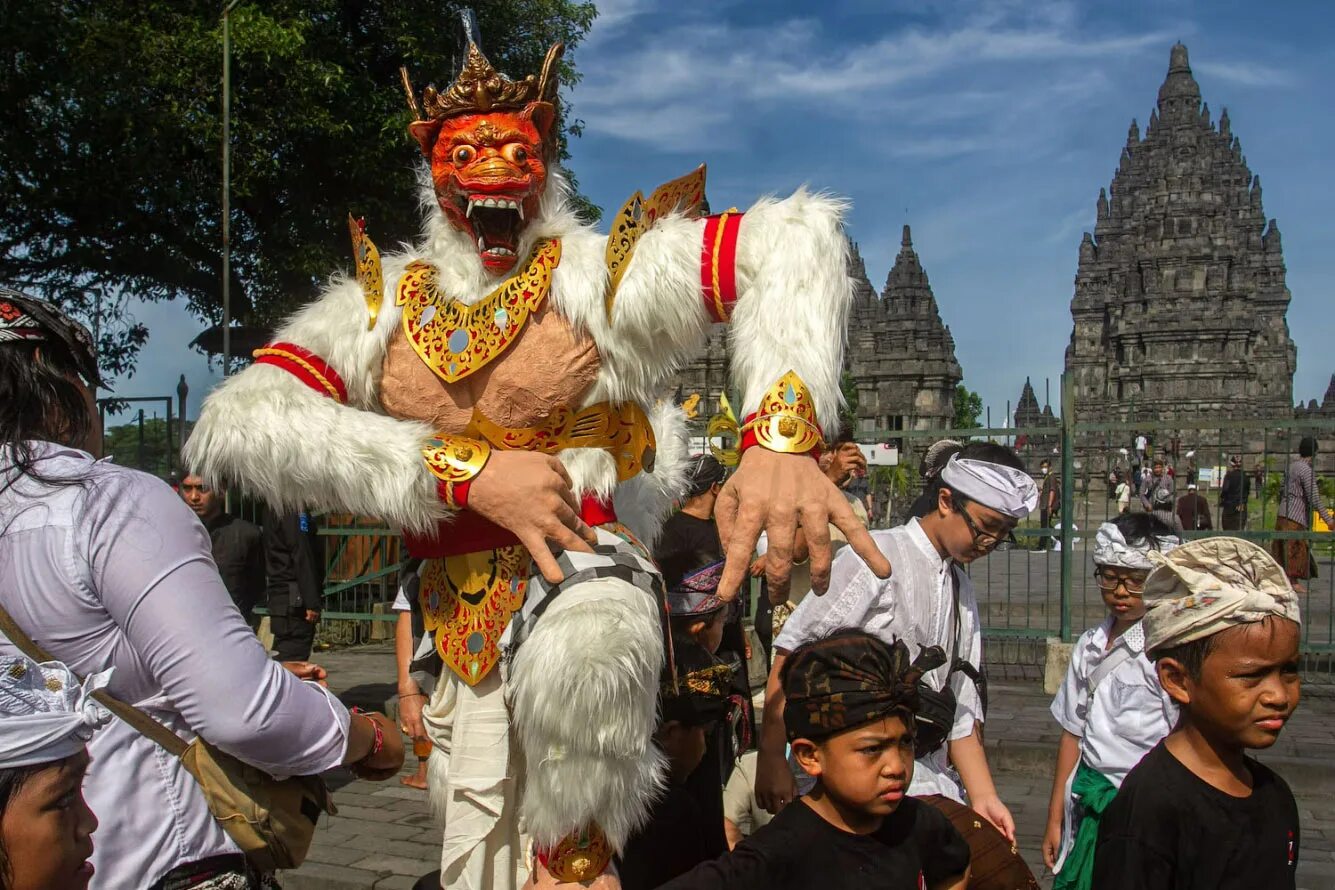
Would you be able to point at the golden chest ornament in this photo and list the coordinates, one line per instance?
(455, 340)
(467, 601)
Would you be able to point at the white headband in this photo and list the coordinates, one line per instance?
(1007, 490)
(46, 714)
(1111, 549)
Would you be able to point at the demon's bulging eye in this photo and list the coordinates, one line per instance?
(462, 154)
(515, 153)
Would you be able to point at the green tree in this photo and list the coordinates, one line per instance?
(968, 408)
(110, 111)
(124, 445)
(850, 393)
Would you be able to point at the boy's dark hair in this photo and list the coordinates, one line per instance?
(1307, 447)
(842, 436)
(1192, 655)
(1140, 529)
(991, 452)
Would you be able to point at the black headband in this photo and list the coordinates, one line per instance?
(850, 679)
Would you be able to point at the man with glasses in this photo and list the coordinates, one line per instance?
(974, 503)
(1111, 707)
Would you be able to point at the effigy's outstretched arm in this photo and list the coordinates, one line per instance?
(777, 272)
(301, 428)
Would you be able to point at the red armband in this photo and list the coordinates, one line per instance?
(306, 366)
(718, 264)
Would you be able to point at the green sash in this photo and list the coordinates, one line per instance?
(1094, 792)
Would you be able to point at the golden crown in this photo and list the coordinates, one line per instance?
(481, 88)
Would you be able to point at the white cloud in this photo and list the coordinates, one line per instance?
(1248, 74)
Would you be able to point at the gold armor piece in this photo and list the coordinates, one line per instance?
(467, 601)
(621, 430)
(453, 339)
(637, 216)
(786, 419)
(580, 856)
(455, 459)
(369, 274)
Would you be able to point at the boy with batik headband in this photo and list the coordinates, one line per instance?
(976, 500)
(850, 719)
(1223, 629)
(1111, 707)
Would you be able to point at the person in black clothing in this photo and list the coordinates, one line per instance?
(238, 546)
(1196, 813)
(678, 834)
(294, 557)
(691, 531)
(1237, 488)
(850, 721)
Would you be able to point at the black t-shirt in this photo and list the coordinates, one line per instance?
(1168, 828)
(677, 837)
(799, 850)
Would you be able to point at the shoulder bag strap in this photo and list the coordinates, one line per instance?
(141, 722)
(1111, 662)
(964, 666)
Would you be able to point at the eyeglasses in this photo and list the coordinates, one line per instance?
(981, 540)
(1133, 586)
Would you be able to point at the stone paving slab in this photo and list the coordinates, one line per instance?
(383, 837)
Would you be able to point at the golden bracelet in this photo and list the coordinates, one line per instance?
(453, 460)
(786, 421)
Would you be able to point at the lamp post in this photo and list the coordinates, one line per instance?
(182, 392)
(227, 185)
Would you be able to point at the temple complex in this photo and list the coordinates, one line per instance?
(1180, 295)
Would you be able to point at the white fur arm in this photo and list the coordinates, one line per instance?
(275, 437)
(793, 294)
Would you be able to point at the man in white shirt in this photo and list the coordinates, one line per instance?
(979, 497)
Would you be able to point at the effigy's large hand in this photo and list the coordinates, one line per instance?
(530, 495)
(777, 493)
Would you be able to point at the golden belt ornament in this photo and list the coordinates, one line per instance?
(621, 430)
(455, 340)
(467, 602)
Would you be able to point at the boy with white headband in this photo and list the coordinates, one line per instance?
(46, 715)
(1111, 707)
(1223, 629)
(975, 502)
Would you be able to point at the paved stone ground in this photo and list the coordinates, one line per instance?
(383, 838)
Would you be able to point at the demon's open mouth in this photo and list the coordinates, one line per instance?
(497, 221)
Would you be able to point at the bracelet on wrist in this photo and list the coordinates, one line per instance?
(378, 743)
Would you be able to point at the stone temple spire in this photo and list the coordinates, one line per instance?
(1180, 96)
(901, 355)
(1180, 297)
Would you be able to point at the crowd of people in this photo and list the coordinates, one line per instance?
(867, 768)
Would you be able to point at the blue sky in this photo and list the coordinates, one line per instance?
(988, 125)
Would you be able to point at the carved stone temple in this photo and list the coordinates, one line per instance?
(901, 356)
(1180, 294)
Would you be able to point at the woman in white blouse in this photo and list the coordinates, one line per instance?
(105, 567)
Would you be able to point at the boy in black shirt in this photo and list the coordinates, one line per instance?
(851, 700)
(1197, 813)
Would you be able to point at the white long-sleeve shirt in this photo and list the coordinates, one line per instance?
(113, 570)
(916, 605)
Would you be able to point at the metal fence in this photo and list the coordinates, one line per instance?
(1042, 585)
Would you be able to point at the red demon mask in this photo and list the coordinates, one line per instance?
(489, 140)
